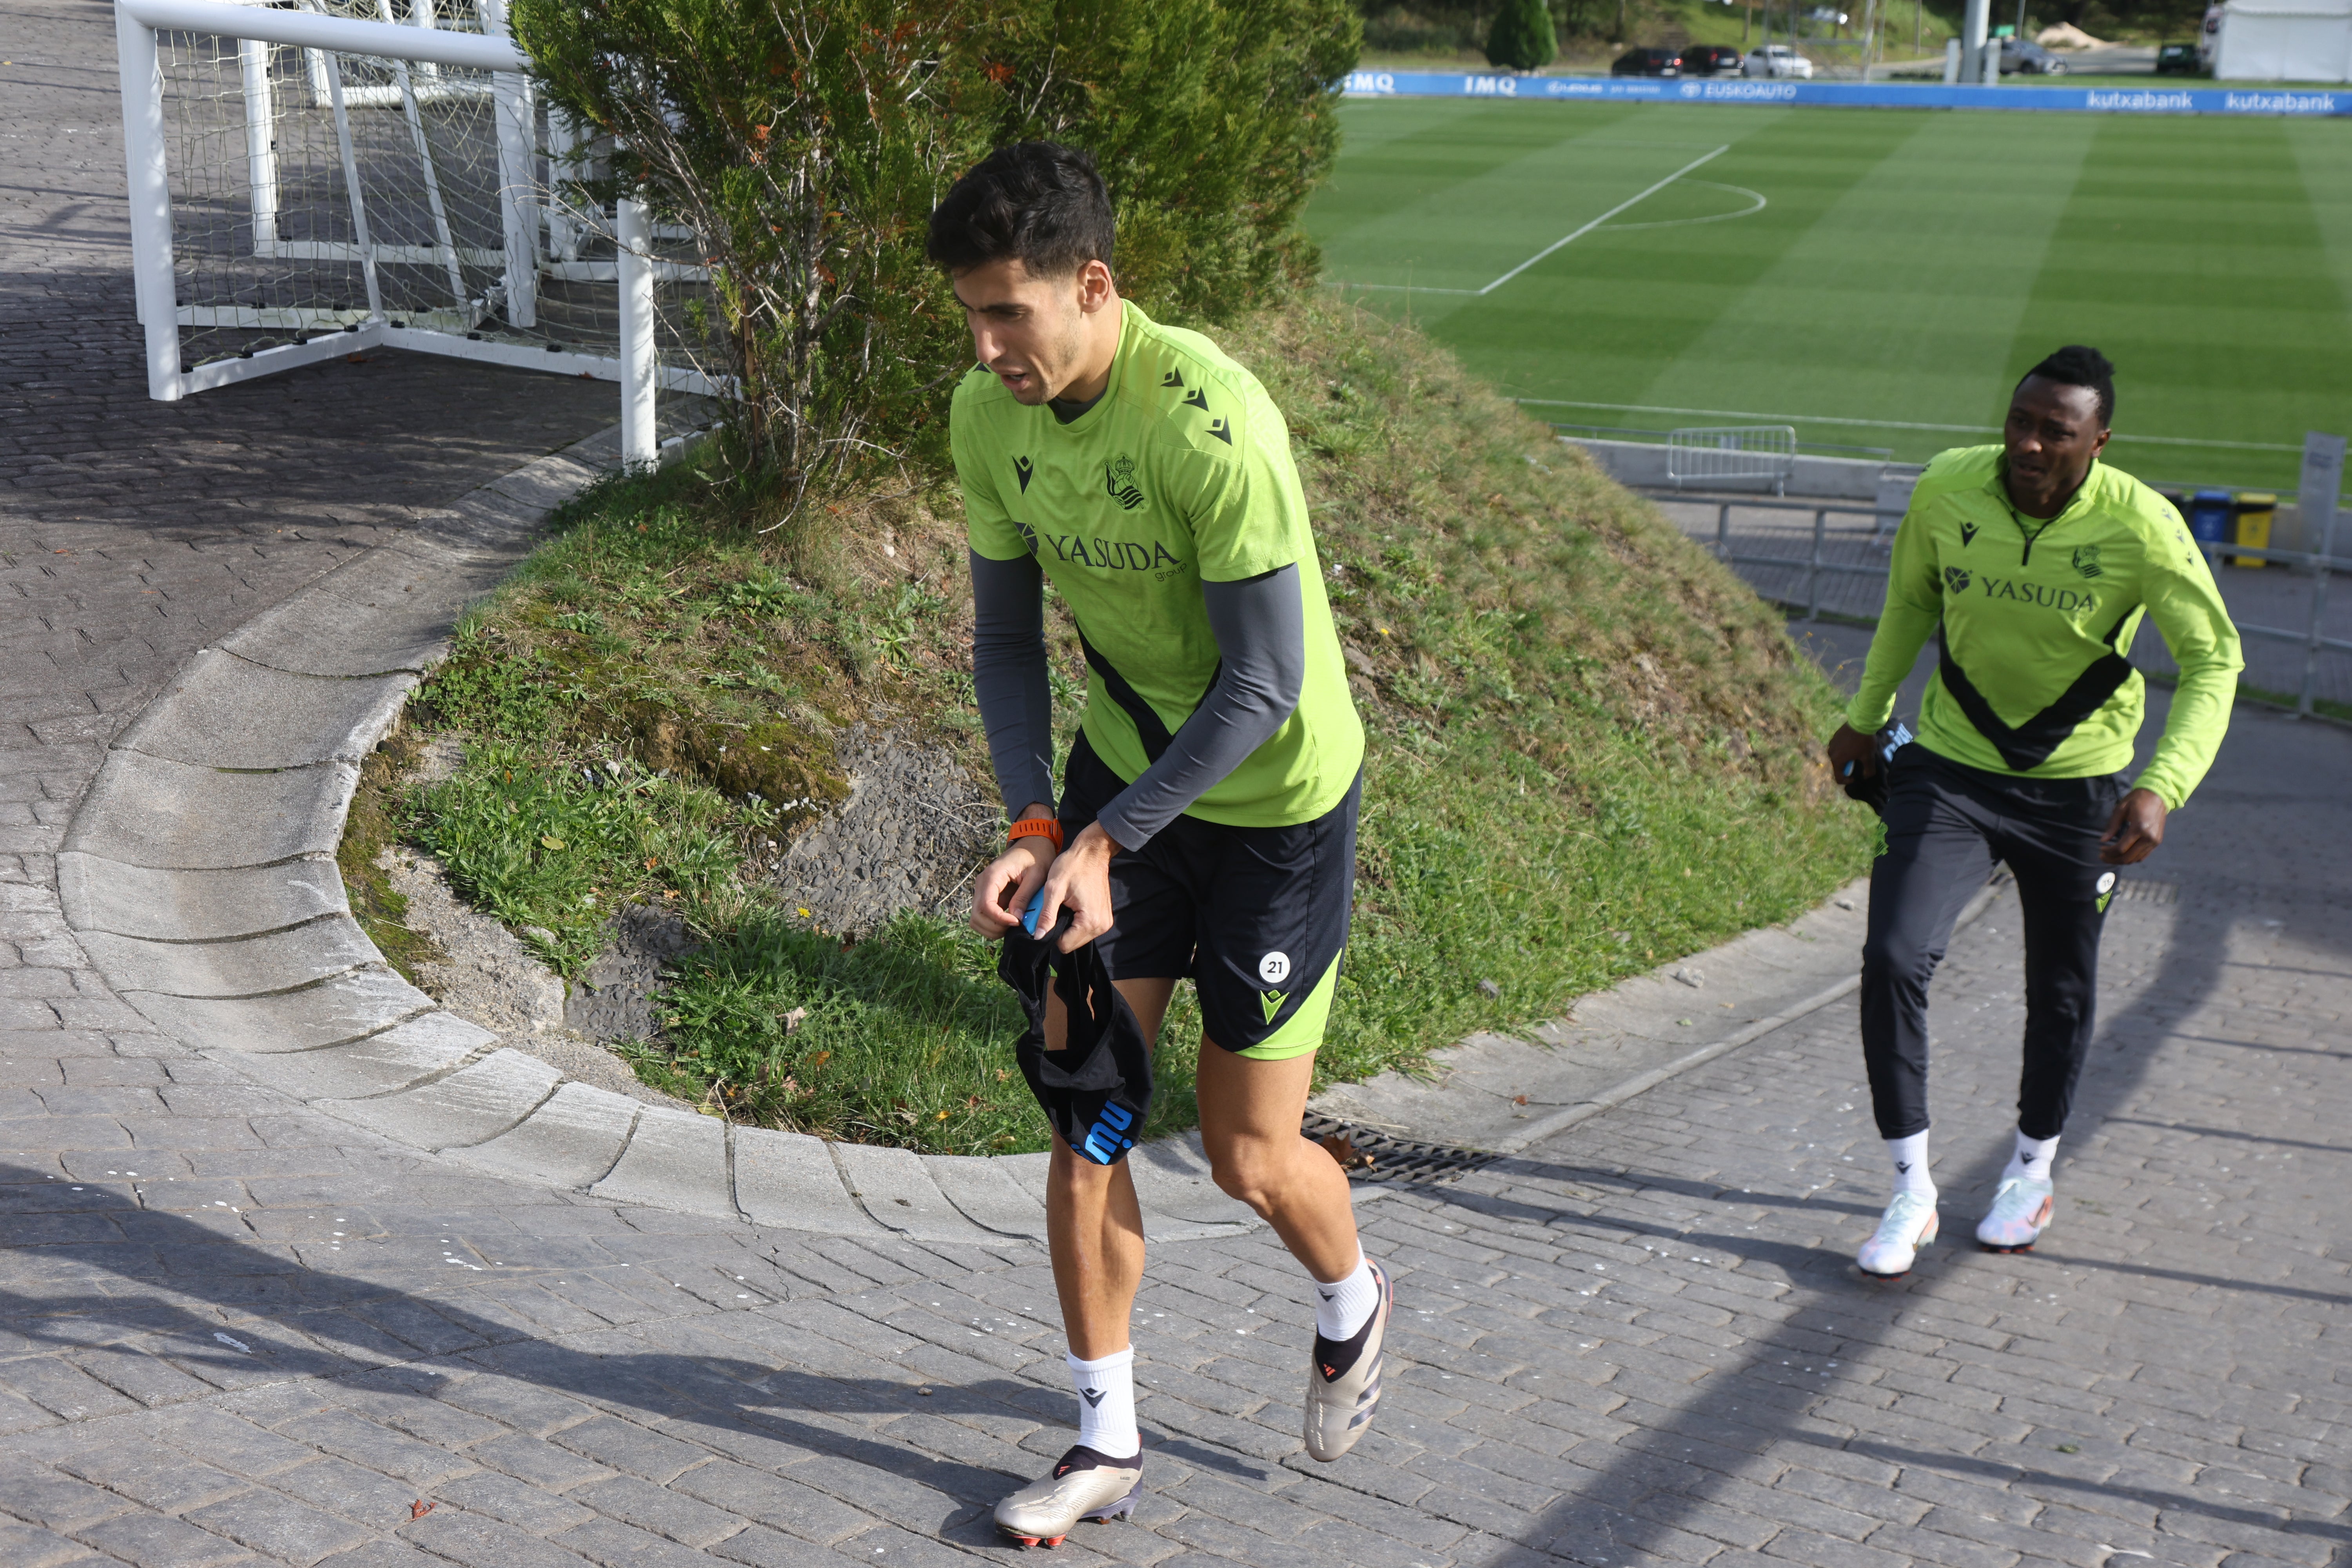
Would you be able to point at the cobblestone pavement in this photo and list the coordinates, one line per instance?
(238, 1330)
(132, 533)
(232, 1331)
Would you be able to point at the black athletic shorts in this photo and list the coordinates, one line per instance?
(1255, 916)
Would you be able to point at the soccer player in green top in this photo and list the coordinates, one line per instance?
(2036, 562)
(1206, 824)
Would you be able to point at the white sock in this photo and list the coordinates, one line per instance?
(1107, 1403)
(1341, 1309)
(1910, 1158)
(2032, 1158)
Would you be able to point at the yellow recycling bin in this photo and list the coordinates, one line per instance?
(2256, 509)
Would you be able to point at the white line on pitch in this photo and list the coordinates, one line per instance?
(1398, 288)
(1887, 424)
(1756, 196)
(1555, 245)
(1604, 217)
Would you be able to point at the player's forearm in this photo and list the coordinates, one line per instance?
(2193, 729)
(1903, 629)
(1914, 604)
(1009, 677)
(2188, 609)
(1261, 631)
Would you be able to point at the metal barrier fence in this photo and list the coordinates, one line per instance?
(1654, 436)
(2317, 565)
(2312, 638)
(1732, 454)
(1813, 562)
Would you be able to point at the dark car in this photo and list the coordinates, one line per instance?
(1648, 62)
(1710, 59)
(2179, 59)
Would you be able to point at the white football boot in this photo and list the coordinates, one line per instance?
(1909, 1225)
(2020, 1213)
(1343, 1384)
(1084, 1485)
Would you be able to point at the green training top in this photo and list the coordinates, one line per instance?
(1180, 474)
(2037, 619)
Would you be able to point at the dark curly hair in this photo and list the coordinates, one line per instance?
(1039, 201)
(2076, 365)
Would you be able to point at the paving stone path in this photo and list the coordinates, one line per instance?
(234, 1330)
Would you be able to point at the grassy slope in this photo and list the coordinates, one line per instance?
(1587, 749)
(1587, 737)
(1908, 266)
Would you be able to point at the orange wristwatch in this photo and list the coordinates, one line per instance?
(1033, 826)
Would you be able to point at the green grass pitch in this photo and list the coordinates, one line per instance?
(1876, 278)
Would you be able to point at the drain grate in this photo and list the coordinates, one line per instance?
(1367, 1154)
(2147, 890)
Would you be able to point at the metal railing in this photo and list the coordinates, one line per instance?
(1812, 562)
(2315, 642)
(2317, 565)
(1732, 453)
(1654, 436)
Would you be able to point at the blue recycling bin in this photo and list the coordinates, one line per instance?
(2209, 515)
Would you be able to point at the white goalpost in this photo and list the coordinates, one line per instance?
(309, 178)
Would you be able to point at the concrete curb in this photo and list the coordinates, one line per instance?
(198, 875)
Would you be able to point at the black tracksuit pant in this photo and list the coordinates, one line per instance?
(1946, 826)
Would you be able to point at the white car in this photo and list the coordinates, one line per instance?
(1777, 59)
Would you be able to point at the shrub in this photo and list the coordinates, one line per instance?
(1522, 38)
(1212, 122)
(805, 142)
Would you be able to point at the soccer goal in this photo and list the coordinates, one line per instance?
(313, 178)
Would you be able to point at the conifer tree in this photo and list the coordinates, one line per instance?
(1522, 38)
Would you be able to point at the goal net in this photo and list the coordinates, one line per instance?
(333, 170)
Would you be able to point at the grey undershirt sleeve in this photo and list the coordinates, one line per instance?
(1008, 677)
(1260, 625)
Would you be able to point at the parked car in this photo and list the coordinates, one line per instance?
(1647, 62)
(2023, 56)
(2179, 59)
(1777, 59)
(1710, 59)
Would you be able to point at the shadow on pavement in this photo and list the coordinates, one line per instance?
(1745, 1405)
(2012, 1474)
(346, 1328)
(1795, 1260)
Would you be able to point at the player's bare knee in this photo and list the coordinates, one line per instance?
(1252, 1169)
